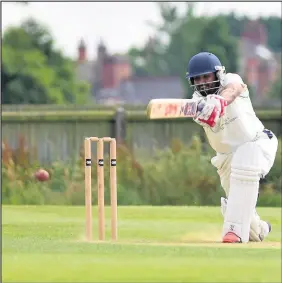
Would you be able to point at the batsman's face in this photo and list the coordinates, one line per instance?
(205, 83)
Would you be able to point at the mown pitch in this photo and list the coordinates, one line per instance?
(156, 244)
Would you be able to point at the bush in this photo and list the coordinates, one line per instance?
(179, 175)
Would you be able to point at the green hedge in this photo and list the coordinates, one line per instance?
(180, 175)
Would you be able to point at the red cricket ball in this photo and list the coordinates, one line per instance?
(42, 175)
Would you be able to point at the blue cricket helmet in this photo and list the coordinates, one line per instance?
(201, 64)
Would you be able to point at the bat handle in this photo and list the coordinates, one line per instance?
(200, 106)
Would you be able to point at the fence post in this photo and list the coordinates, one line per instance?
(120, 125)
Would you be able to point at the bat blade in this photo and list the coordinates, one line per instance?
(171, 108)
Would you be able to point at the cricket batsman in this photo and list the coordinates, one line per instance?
(245, 150)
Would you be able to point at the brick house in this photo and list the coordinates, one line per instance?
(106, 72)
(258, 64)
(113, 82)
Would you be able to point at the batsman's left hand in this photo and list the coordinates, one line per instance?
(213, 108)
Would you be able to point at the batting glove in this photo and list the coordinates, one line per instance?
(212, 108)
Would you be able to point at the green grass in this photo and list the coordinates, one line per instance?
(156, 244)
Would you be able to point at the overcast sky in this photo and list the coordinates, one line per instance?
(121, 25)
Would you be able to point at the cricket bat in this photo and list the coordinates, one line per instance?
(172, 108)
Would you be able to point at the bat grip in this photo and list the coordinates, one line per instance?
(200, 106)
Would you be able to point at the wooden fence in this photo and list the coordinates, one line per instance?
(57, 133)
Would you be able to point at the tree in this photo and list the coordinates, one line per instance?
(178, 37)
(276, 89)
(216, 38)
(160, 55)
(150, 59)
(235, 23)
(184, 42)
(31, 80)
(274, 32)
(34, 72)
(272, 25)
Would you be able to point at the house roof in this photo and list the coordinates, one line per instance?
(249, 49)
(263, 52)
(115, 59)
(140, 90)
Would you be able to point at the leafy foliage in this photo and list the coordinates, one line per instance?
(274, 32)
(180, 175)
(177, 38)
(34, 72)
(272, 25)
(216, 38)
(276, 89)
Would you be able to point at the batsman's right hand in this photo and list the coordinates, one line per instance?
(210, 110)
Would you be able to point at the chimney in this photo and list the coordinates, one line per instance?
(81, 51)
(101, 50)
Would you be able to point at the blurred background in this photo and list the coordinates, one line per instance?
(71, 70)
